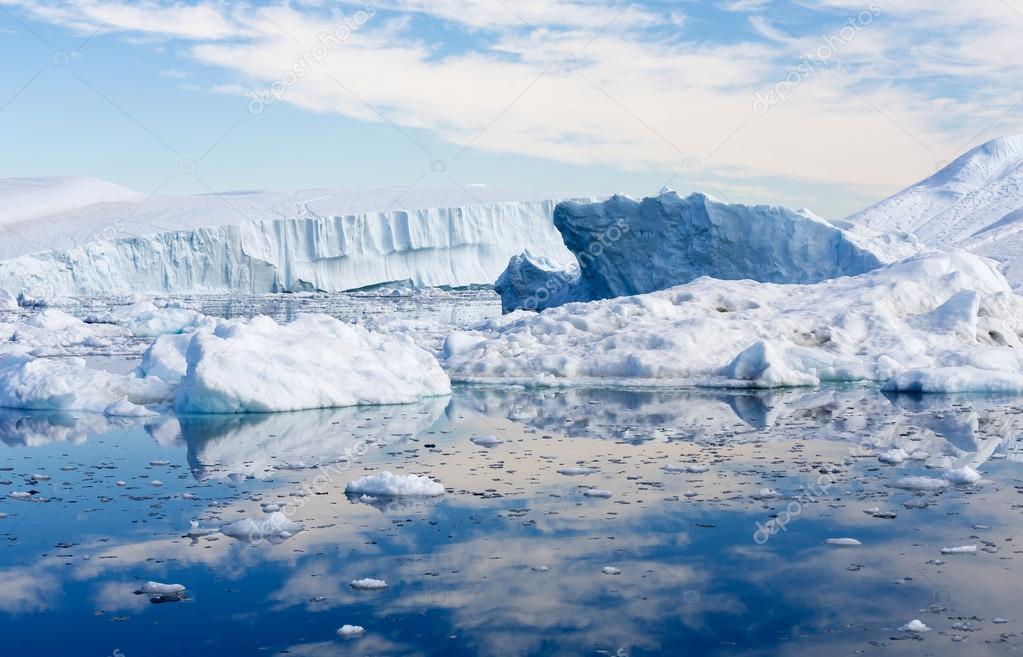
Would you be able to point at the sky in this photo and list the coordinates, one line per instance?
(825, 104)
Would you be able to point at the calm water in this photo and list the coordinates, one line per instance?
(511, 560)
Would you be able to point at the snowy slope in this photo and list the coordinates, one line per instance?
(99, 240)
(976, 203)
(625, 247)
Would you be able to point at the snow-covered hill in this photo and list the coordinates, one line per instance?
(976, 203)
(88, 237)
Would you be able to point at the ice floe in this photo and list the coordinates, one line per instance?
(388, 484)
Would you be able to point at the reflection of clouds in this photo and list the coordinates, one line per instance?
(119, 596)
(37, 428)
(26, 590)
(258, 445)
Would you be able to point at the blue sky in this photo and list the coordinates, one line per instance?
(826, 104)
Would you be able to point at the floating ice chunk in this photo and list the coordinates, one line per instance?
(39, 476)
(19, 495)
(156, 482)
(159, 462)
(610, 570)
(575, 471)
(368, 584)
(961, 549)
(158, 588)
(766, 494)
(963, 475)
(315, 361)
(541, 569)
(274, 528)
(956, 379)
(893, 456)
(843, 542)
(195, 531)
(920, 483)
(350, 631)
(597, 492)
(486, 441)
(388, 484)
(271, 507)
(915, 625)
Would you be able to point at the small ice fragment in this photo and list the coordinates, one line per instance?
(690, 493)
(388, 484)
(195, 531)
(351, 631)
(541, 569)
(270, 507)
(915, 625)
(962, 549)
(597, 492)
(843, 542)
(156, 482)
(121, 482)
(610, 570)
(872, 510)
(963, 475)
(893, 456)
(19, 495)
(487, 441)
(576, 470)
(998, 620)
(157, 588)
(368, 584)
(921, 483)
(40, 477)
(766, 494)
(159, 462)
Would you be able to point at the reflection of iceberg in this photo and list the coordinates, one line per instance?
(966, 428)
(258, 444)
(19, 428)
(394, 504)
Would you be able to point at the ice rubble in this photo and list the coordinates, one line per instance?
(329, 240)
(976, 203)
(949, 310)
(315, 361)
(625, 247)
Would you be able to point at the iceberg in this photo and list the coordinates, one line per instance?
(974, 203)
(624, 247)
(104, 240)
(950, 310)
(315, 361)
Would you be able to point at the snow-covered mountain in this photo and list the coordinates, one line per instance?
(976, 203)
(77, 236)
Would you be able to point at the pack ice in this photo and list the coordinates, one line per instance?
(80, 237)
(907, 323)
(624, 247)
(975, 203)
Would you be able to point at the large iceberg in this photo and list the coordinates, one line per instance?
(104, 240)
(975, 203)
(624, 247)
(932, 311)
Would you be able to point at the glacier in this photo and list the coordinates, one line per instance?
(974, 203)
(115, 242)
(624, 247)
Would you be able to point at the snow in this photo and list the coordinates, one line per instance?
(975, 203)
(258, 365)
(625, 247)
(893, 456)
(274, 527)
(915, 625)
(388, 484)
(963, 475)
(256, 242)
(8, 301)
(938, 310)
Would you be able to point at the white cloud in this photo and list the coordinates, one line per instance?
(586, 84)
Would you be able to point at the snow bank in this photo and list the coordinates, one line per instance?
(260, 366)
(625, 247)
(388, 484)
(946, 310)
(331, 240)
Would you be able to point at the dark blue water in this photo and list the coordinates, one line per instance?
(510, 560)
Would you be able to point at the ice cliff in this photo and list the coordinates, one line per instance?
(624, 247)
(102, 240)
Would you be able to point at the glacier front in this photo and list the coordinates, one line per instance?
(115, 242)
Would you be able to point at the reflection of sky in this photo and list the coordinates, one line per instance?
(462, 570)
